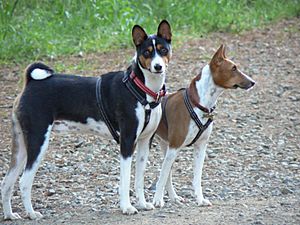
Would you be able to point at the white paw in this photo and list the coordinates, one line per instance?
(203, 202)
(158, 202)
(35, 215)
(12, 216)
(177, 199)
(146, 206)
(129, 210)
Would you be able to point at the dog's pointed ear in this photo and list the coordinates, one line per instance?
(219, 56)
(223, 51)
(138, 35)
(164, 31)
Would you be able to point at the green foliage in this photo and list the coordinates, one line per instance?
(33, 29)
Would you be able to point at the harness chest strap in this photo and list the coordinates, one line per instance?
(194, 116)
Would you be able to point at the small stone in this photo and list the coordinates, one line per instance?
(161, 216)
(79, 144)
(153, 186)
(294, 166)
(276, 192)
(256, 177)
(80, 54)
(293, 98)
(170, 211)
(245, 206)
(285, 203)
(131, 193)
(50, 192)
(286, 191)
(212, 155)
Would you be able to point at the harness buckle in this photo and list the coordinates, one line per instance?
(125, 79)
(157, 97)
(209, 115)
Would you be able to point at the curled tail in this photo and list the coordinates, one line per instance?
(37, 71)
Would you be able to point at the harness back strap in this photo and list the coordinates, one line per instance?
(163, 107)
(194, 116)
(133, 91)
(110, 127)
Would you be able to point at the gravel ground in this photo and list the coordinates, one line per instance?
(251, 173)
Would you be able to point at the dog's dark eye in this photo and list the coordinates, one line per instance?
(163, 51)
(147, 53)
(234, 68)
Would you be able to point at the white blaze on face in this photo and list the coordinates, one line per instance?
(250, 80)
(157, 60)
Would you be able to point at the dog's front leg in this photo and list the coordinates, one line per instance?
(127, 148)
(199, 156)
(141, 162)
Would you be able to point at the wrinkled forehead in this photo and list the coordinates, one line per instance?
(154, 39)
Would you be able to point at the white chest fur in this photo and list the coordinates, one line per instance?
(153, 122)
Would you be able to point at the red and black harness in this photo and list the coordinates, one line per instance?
(129, 80)
(193, 114)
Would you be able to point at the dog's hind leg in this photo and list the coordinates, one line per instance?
(141, 162)
(163, 177)
(18, 158)
(37, 145)
(171, 190)
(169, 185)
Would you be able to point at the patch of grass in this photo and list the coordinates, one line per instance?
(35, 29)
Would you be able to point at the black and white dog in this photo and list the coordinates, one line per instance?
(122, 105)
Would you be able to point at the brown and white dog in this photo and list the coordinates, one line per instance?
(179, 125)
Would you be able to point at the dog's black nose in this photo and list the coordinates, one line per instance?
(157, 67)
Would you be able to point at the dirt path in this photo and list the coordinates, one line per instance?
(251, 174)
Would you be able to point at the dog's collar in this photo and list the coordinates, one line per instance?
(157, 96)
(129, 83)
(208, 111)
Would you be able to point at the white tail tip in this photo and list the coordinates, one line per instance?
(40, 74)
